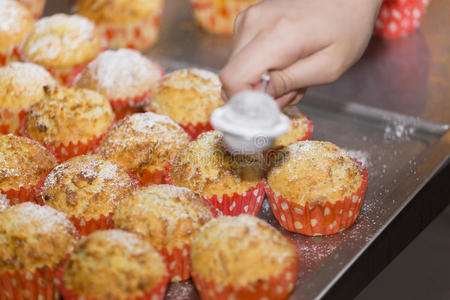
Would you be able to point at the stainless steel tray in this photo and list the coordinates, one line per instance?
(402, 153)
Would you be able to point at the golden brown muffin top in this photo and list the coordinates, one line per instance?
(167, 215)
(4, 202)
(143, 141)
(86, 186)
(314, 172)
(120, 74)
(240, 251)
(15, 23)
(299, 127)
(23, 162)
(113, 264)
(187, 96)
(22, 84)
(205, 167)
(117, 11)
(33, 236)
(62, 41)
(68, 115)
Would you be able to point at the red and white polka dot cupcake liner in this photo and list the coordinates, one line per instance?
(178, 262)
(64, 152)
(218, 17)
(145, 177)
(155, 293)
(275, 288)
(318, 219)
(140, 35)
(128, 106)
(87, 226)
(26, 194)
(397, 18)
(10, 120)
(32, 285)
(194, 130)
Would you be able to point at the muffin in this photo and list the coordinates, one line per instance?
(36, 7)
(69, 122)
(125, 77)
(217, 16)
(87, 188)
(24, 164)
(231, 185)
(301, 128)
(124, 24)
(316, 188)
(63, 44)
(21, 85)
(144, 144)
(188, 96)
(169, 217)
(243, 258)
(113, 264)
(15, 23)
(34, 240)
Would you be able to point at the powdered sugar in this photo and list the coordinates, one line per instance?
(4, 202)
(122, 72)
(10, 15)
(53, 38)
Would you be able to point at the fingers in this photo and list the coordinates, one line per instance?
(272, 49)
(291, 98)
(319, 68)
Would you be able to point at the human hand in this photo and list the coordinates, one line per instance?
(301, 43)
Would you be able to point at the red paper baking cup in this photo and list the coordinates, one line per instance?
(29, 194)
(145, 177)
(275, 288)
(178, 262)
(64, 152)
(35, 285)
(249, 202)
(86, 227)
(156, 293)
(398, 18)
(10, 120)
(7, 58)
(140, 35)
(194, 130)
(128, 106)
(318, 219)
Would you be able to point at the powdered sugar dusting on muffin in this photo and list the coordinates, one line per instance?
(10, 12)
(53, 38)
(123, 239)
(45, 218)
(121, 72)
(208, 83)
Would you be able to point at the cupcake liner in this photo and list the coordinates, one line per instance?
(318, 219)
(275, 288)
(36, 7)
(128, 106)
(156, 293)
(10, 120)
(249, 202)
(85, 226)
(64, 152)
(145, 177)
(7, 58)
(398, 18)
(36, 285)
(194, 130)
(178, 262)
(140, 35)
(217, 19)
(28, 194)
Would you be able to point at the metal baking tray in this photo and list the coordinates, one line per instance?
(401, 154)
